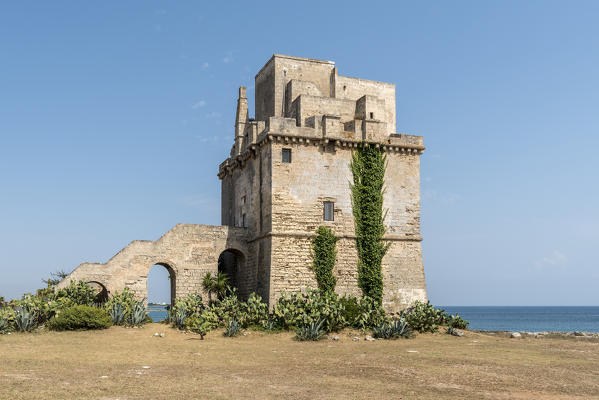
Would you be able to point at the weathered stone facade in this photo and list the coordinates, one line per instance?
(272, 203)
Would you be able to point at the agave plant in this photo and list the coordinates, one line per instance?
(117, 313)
(3, 325)
(233, 329)
(138, 314)
(312, 331)
(24, 319)
(179, 318)
(269, 324)
(393, 330)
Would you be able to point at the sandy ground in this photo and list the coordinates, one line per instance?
(121, 363)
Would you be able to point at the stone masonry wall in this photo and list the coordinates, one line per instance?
(188, 251)
(321, 173)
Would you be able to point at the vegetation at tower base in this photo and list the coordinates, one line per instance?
(368, 168)
(218, 285)
(325, 253)
(124, 309)
(311, 313)
(81, 317)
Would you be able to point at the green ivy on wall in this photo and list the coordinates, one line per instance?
(368, 168)
(324, 250)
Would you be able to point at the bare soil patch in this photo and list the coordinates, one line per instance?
(121, 363)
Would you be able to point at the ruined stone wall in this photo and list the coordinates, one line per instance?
(188, 251)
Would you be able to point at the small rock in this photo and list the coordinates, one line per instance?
(457, 332)
(103, 377)
(515, 335)
(145, 367)
(356, 339)
(162, 335)
(156, 334)
(368, 338)
(334, 337)
(412, 351)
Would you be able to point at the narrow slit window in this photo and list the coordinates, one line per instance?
(329, 211)
(371, 115)
(244, 220)
(286, 155)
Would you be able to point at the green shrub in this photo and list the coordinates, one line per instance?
(229, 307)
(424, 317)
(455, 321)
(368, 169)
(78, 293)
(302, 309)
(312, 331)
(370, 314)
(80, 317)
(120, 306)
(255, 311)
(202, 323)
(233, 328)
(190, 305)
(325, 253)
(393, 330)
(7, 319)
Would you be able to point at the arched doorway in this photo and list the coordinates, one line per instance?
(231, 262)
(161, 285)
(101, 292)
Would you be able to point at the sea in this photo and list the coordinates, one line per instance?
(529, 319)
(158, 312)
(499, 318)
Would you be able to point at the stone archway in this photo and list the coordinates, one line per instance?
(100, 290)
(187, 251)
(172, 277)
(232, 263)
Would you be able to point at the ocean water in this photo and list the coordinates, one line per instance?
(530, 319)
(157, 313)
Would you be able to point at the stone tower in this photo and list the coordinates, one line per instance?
(287, 174)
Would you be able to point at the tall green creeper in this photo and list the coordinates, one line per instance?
(368, 168)
(325, 253)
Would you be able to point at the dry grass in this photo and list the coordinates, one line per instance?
(109, 365)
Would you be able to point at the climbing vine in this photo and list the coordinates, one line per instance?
(368, 168)
(324, 249)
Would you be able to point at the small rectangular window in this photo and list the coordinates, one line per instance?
(245, 220)
(329, 211)
(371, 115)
(243, 200)
(286, 155)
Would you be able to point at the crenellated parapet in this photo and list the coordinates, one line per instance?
(324, 131)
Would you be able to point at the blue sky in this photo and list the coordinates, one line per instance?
(115, 115)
